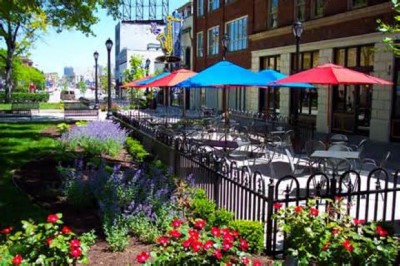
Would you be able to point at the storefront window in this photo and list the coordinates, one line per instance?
(269, 97)
(308, 99)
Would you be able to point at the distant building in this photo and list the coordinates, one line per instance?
(69, 74)
(135, 38)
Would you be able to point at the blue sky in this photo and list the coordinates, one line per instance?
(53, 51)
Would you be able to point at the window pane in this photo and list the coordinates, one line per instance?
(315, 59)
(340, 57)
(367, 56)
(306, 61)
(351, 57)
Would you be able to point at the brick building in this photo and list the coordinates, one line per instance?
(341, 31)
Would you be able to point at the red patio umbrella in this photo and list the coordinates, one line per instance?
(172, 79)
(331, 74)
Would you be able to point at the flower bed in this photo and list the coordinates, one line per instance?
(332, 237)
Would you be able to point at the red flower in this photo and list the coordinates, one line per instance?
(381, 232)
(176, 223)
(358, 222)
(196, 246)
(226, 245)
(208, 244)
(235, 233)
(243, 245)
(225, 231)
(66, 230)
(194, 234)
(335, 231)
(298, 209)
(76, 252)
(325, 247)
(199, 223)
(75, 243)
(143, 257)
(257, 263)
(17, 260)
(175, 233)
(229, 238)
(215, 231)
(49, 240)
(163, 240)
(52, 218)
(6, 230)
(186, 243)
(218, 254)
(314, 212)
(347, 245)
(277, 205)
(245, 261)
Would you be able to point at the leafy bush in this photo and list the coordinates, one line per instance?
(96, 138)
(333, 237)
(252, 231)
(21, 97)
(44, 244)
(63, 127)
(136, 149)
(223, 217)
(117, 236)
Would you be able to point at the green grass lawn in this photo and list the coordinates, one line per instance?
(19, 144)
(60, 105)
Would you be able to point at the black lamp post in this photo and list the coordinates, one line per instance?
(147, 66)
(297, 29)
(225, 44)
(109, 45)
(96, 56)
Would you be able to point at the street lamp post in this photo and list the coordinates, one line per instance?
(225, 44)
(96, 56)
(109, 45)
(297, 29)
(147, 66)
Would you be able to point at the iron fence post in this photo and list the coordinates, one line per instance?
(270, 199)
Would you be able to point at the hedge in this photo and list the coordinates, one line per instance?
(21, 97)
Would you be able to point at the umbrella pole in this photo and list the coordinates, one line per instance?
(184, 102)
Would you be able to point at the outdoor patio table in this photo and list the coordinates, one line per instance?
(336, 154)
(221, 143)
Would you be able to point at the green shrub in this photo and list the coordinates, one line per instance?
(204, 209)
(136, 149)
(223, 217)
(143, 228)
(20, 97)
(63, 128)
(117, 236)
(251, 231)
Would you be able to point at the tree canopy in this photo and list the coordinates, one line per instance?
(392, 29)
(22, 21)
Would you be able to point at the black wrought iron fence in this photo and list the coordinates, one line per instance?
(251, 196)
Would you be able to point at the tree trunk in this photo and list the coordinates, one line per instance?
(8, 82)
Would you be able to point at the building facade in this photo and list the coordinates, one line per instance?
(135, 38)
(342, 32)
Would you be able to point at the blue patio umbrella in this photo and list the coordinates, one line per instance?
(270, 76)
(156, 77)
(222, 74)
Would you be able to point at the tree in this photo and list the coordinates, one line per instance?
(136, 70)
(23, 74)
(392, 29)
(22, 21)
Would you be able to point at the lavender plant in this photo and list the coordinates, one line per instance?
(96, 138)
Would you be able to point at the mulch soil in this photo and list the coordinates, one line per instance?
(40, 181)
